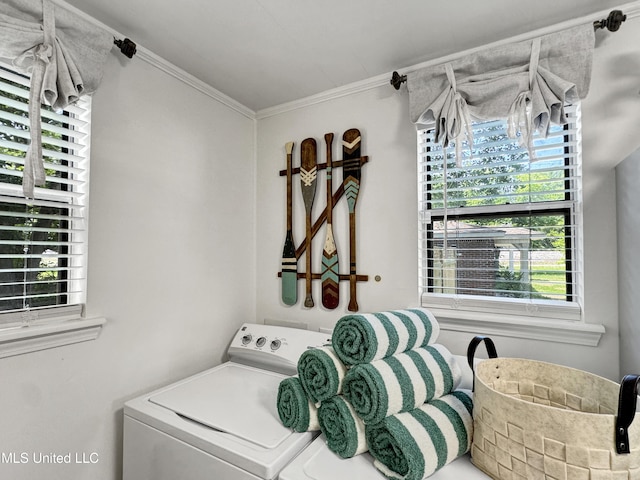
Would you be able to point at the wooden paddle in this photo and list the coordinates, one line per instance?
(308, 176)
(351, 173)
(289, 259)
(330, 270)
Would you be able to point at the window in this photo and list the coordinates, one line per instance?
(42, 240)
(500, 228)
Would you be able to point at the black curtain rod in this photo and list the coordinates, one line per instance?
(126, 46)
(611, 23)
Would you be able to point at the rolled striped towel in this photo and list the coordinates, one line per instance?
(343, 430)
(401, 382)
(294, 408)
(363, 338)
(413, 445)
(321, 373)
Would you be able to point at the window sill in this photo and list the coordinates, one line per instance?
(20, 340)
(519, 326)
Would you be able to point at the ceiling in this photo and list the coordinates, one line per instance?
(264, 53)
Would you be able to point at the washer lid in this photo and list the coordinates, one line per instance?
(236, 399)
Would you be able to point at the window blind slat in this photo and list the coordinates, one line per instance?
(49, 178)
(62, 168)
(40, 269)
(47, 255)
(498, 147)
(12, 228)
(44, 113)
(22, 147)
(33, 297)
(52, 243)
(34, 202)
(35, 216)
(497, 209)
(26, 135)
(61, 196)
(76, 135)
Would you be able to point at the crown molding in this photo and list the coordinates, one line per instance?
(160, 63)
(343, 91)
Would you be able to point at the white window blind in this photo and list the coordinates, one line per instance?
(42, 240)
(504, 222)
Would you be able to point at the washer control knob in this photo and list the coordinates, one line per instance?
(246, 339)
(261, 341)
(275, 344)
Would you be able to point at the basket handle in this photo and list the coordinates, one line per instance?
(626, 411)
(471, 352)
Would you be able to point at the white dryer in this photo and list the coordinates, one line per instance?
(221, 423)
(317, 462)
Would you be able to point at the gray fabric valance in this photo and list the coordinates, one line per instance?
(65, 56)
(528, 83)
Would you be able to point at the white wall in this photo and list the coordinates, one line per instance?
(627, 181)
(171, 266)
(387, 211)
(614, 100)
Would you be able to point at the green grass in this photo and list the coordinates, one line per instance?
(549, 281)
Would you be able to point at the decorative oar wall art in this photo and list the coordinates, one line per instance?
(289, 260)
(309, 176)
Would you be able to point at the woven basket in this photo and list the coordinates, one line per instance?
(536, 420)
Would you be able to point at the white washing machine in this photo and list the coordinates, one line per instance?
(221, 423)
(317, 462)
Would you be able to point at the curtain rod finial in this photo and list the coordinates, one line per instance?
(612, 22)
(397, 80)
(126, 46)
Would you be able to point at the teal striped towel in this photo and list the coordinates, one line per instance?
(294, 408)
(343, 430)
(413, 445)
(321, 373)
(401, 382)
(363, 338)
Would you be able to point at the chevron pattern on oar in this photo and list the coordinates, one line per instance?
(331, 271)
(349, 148)
(330, 294)
(308, 177)
(330, 281)
(351, 190)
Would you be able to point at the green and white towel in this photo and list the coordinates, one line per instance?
(413, 445)
(321, 373)
(344, 431)
(401, 382)
(363, 338)
(294, 408)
